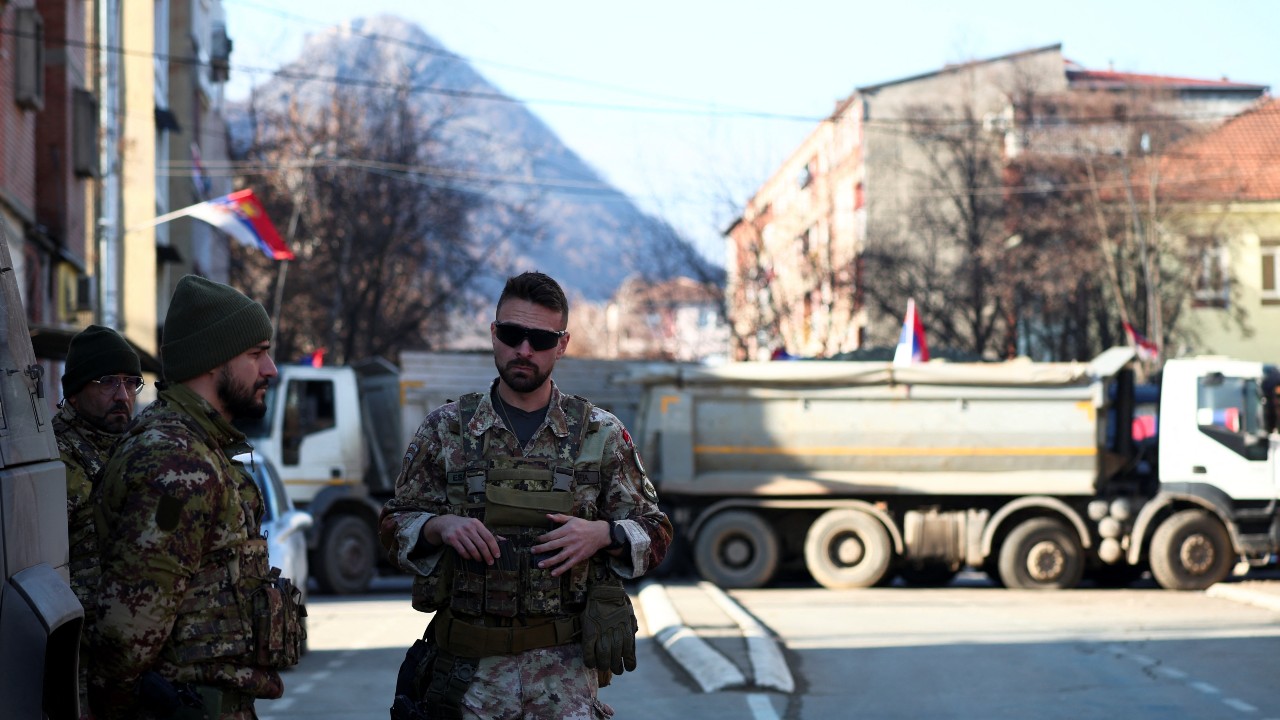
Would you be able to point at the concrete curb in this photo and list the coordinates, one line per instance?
(1244, 594)
(767, 662)
(710, 669)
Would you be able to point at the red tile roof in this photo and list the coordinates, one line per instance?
(1237, 161)
(1100, 79)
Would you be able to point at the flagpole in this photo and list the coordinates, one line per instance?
(275, 308)
(161, 219)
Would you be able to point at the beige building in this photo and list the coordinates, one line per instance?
(811, 267)
(1222, 194)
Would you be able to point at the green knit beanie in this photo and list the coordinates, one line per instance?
(94, 352)
(208, 324)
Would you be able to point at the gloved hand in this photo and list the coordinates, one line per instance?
(609, 630)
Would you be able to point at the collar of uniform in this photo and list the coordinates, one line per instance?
(71, 418)
(218, 427)
(487, 414)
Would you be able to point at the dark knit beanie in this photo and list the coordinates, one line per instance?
(94, 352)
(208, 324)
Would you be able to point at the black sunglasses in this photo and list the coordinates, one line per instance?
(512, 335)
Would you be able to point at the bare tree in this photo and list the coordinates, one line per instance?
(385, 244)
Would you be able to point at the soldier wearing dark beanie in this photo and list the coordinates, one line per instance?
(94, 352)
(208, 324)
(100, 381)
(175, 509)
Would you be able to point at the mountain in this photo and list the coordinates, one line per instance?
(583, 231)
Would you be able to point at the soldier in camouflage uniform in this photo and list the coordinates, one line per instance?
(185, 611)
(520, 511)
(101, 379)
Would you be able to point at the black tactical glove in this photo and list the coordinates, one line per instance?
(609, 630)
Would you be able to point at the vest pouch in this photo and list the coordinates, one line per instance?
(506, 507)
(542, 596)
(279, 632)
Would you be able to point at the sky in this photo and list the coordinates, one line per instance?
(689, 105)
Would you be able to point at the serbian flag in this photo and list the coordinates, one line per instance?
(1147, 350)
(911, 345)
(241, 216)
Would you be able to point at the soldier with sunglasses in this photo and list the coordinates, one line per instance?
(520, 511)
(102, 378)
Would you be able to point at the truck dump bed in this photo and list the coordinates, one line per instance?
(798, 429)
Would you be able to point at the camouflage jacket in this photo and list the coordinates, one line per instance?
(626, 494)
(85, 450)
(180, 524)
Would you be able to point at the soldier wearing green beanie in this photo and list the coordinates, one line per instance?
(187, 600)
(100, 381)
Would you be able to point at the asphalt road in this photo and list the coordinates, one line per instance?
(966, 651)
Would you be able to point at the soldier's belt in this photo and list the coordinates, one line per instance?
(465, 639)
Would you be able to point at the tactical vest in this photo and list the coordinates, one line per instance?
(512, 496)
(220, 614)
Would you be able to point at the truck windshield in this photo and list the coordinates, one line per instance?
(1231, 403)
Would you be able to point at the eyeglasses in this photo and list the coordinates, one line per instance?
(512, 335)
(132, 383)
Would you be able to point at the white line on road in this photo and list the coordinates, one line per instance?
(335, 664)
(1171, 672)
(1240, 705)
(710, 669)
(767, 662)
(1205, 688)
(761, 708)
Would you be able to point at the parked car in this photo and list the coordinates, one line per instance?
(284, 525)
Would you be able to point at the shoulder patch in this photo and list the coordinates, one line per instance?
(168, 512)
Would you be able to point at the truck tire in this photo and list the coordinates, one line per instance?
(1191, 551)
(736, 549)
(1041, 554)
(347, 557)
(847, 548)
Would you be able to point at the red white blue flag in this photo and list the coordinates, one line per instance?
(1147, 350)
(912, 347)
(241, 216)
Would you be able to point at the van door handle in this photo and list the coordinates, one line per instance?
(1198, 469)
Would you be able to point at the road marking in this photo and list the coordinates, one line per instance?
(305, 688)
(708, 667)
(335, 664)
(1240, 705)
(761, 708)
(767, 662)
(1204, 687)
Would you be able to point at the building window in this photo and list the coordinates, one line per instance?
(28, 90)
(1270, 250)
(1212, 279)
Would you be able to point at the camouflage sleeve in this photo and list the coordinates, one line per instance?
(630, 498)
(420, 495)
(81, 538)
(158, 508)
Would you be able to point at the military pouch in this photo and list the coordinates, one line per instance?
(506, 507)
(279, 632)
(414, 674)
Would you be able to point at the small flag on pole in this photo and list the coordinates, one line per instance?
(1147, 350)
(911, 344)
(241, 216)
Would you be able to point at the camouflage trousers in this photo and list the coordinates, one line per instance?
(534, 685)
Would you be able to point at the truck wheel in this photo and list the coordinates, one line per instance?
(1041, 554)
(847, 549)
(347, 556)
(1191, 551)
(736, 549)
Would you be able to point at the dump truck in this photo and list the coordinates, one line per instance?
(1033, 472)
(337, 436)
(40, 617)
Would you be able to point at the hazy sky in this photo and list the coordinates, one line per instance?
(688, 105)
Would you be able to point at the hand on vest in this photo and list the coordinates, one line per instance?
(609, 630)
(468, 536)
(573, 542)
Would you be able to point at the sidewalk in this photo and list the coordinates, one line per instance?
(1264, 593)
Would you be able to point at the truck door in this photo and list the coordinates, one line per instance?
(1234, 452)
